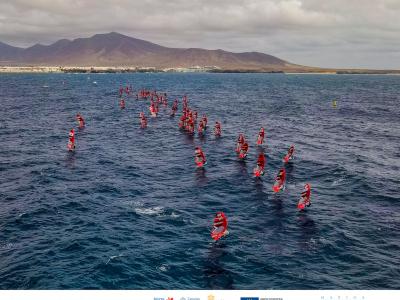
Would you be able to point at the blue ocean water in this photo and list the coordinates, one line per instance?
(128, 209)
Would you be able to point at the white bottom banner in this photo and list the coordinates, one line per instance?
(202, 295)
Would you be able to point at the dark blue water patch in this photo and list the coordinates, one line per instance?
(129, 210)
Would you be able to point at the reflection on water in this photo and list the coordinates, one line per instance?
(242, 167)
(216, 276)
(289, 168)
(261, 193)
(200, 174)
(70, 159)
(308, 232)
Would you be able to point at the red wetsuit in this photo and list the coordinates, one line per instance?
(200, 156)
(291, 151)
(281, 176)
(201, 127)
(205, 120)
(72, 136)
(245, 147)
(143, 120)
(175, 106)
(71, 142)
(260, 138)
(306, 193)
(261, 161)
(191, 127)
(220, 221)
(80, 120)
(240, 142)
(240, 139)
(220, 226)
(217, 128)
(153, 108)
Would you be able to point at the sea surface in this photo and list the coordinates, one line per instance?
(129, 210)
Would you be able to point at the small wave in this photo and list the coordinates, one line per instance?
(339, 181)
(113, 257)
(174, 215)
(163, 268)
(150, 211)
(21, 215)
(6, 246)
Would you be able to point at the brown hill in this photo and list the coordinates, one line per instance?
(114, 49)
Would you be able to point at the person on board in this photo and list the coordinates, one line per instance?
(259, 170)
(261, 161)
(143, 120)
(243, 150)
(122, 103)
(153, 109)
(220, 220)
(174, 108)
(217, 129)
(71, 140)
(201, 127)
(240, 142)
(306, 194)
(220, 226)
(190, 126)
(281, 177)
(81, 121)
(182, 121)
(205, 121)
(195, 116)
(260, 138)
(200, 158)
(289, 155)
(291, 152)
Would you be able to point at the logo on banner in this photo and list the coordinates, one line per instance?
(211, 297)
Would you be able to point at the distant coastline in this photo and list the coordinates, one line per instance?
(117, 53)
(197, 69)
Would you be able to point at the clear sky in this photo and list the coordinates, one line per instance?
(324, 33)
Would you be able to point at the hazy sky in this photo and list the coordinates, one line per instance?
(325, 33)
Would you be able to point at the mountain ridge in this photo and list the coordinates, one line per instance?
(115, 50)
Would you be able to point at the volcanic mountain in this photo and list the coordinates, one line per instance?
(117, 50)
